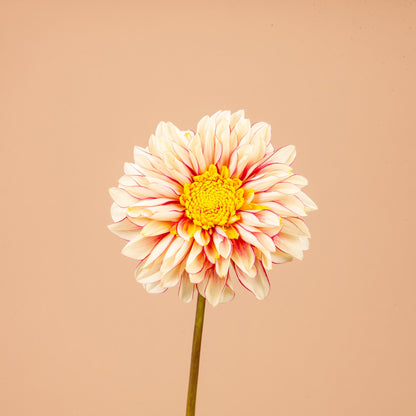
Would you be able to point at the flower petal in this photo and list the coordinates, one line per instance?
(139, 249)
(186, 288)
(215, 288)
(258, 285)
(125, 229)
(122, 198)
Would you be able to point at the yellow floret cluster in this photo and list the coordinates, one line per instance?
(213, 198)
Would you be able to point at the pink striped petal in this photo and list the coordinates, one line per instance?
(159, 249)
(202, 237)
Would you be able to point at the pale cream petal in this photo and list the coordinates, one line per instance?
(200, 276)
(156, 228)
(176, 252)
(142, 272)
(196, 265)
(258, 285)
(214, 289)
(285, 188)
(206, 132)
(186, 288)
(139, 249)
(284, 155)
(227, 295)
(127, 181)
(155, 287)
(222, 243)
(159, 249)
(211, 252)
(295, 226)
(151, 202)
(289, 244)
(268, 218)
(193, 253)
(307, 202)
(125, 229)
(202, 237)
(222, 265)
(297, 180)
(223, 134)
(235, 117)
(118, 213)
(243, 157)
(167, 212)
(287, 206)
(122, 198)
(243, 256)
(131, 169)
(262, 184)
(252, 239)
(172, 277)
(279, 257)
(152, 278)
(195, 146)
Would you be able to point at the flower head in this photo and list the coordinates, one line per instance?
(203, 209)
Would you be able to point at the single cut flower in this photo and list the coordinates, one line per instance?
(204, 209)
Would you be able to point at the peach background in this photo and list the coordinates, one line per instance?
(82, 82)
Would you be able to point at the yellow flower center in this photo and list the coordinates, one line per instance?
(212, 198)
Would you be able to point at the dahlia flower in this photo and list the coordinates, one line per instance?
(203, 210)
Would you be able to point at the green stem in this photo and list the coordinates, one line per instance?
(196, 351)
